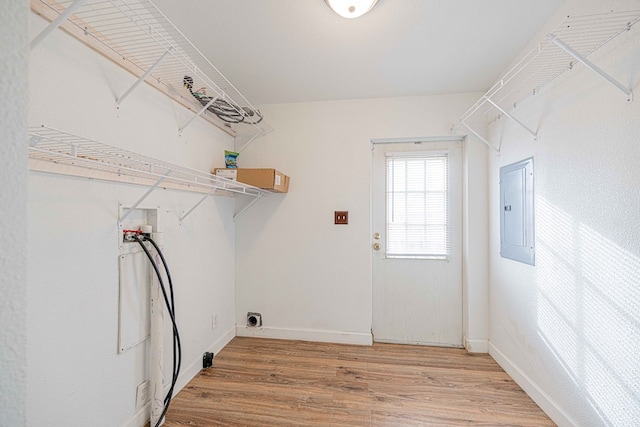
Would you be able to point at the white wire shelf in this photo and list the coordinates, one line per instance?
(55, 151)
(570, 43)
(137, 36)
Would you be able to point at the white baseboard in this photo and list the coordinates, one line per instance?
(356, 338)
(548, 405)
(427, 344)
(196, 366)
(476, 346)
(141, 416)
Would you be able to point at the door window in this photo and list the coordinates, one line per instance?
(417, 205)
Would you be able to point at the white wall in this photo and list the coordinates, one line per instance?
(13, 210)
(475, 261)
(309, 278)
(568, 329)
(75, 375)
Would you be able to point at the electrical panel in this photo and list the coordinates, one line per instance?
(516, 212)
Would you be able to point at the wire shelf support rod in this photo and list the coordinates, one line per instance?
(591, 66)
(142, 77)
(57, 22)
(198, 114)
(143, 198)
(525, 127)
(187, 213)
(480, 137)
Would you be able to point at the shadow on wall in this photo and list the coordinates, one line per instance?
(588, 299)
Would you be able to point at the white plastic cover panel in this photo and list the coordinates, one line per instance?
(135, 286)
(516, 212)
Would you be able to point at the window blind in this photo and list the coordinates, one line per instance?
(417, 205)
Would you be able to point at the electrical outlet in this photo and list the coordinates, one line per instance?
(341, 217)
(207, 360)
(214, 322)
(142, 394)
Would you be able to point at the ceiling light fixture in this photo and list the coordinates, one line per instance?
(351, 8)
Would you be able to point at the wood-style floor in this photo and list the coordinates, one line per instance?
(261, 382)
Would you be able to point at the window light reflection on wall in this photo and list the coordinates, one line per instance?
(351, 8)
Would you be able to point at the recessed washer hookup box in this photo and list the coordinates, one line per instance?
(265, 178)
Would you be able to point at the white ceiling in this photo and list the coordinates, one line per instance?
(281, 51)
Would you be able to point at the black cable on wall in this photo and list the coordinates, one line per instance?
(170, 304)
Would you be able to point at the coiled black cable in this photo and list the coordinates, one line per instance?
(225, 110)
(170, 303)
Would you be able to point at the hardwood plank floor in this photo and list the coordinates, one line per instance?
(262, 382)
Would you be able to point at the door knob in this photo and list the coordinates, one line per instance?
(376, 236)
(376, 246)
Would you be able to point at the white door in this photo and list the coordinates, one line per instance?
(417, 243)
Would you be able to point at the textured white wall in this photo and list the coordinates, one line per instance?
(309, 278)
(13, 210)
(568, 329)
(76, 377)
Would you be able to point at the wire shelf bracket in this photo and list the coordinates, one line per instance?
(251, 203)
(572, 41)
(151, 189)
(193, 208)
(137, 36)
(56, 22)
(198, 114)
(142, 78)
(591, 66)
(58, 152)
(522, 125)
(480, 137)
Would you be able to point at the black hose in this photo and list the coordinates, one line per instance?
(225, 110)
(170, 303)
(177, 349)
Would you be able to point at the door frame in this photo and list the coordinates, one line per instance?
(463, 206)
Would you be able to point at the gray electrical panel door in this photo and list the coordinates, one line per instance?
(516, 212)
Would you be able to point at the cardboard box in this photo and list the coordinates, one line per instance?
(265, 178)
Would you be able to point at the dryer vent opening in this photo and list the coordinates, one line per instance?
(254, 320)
